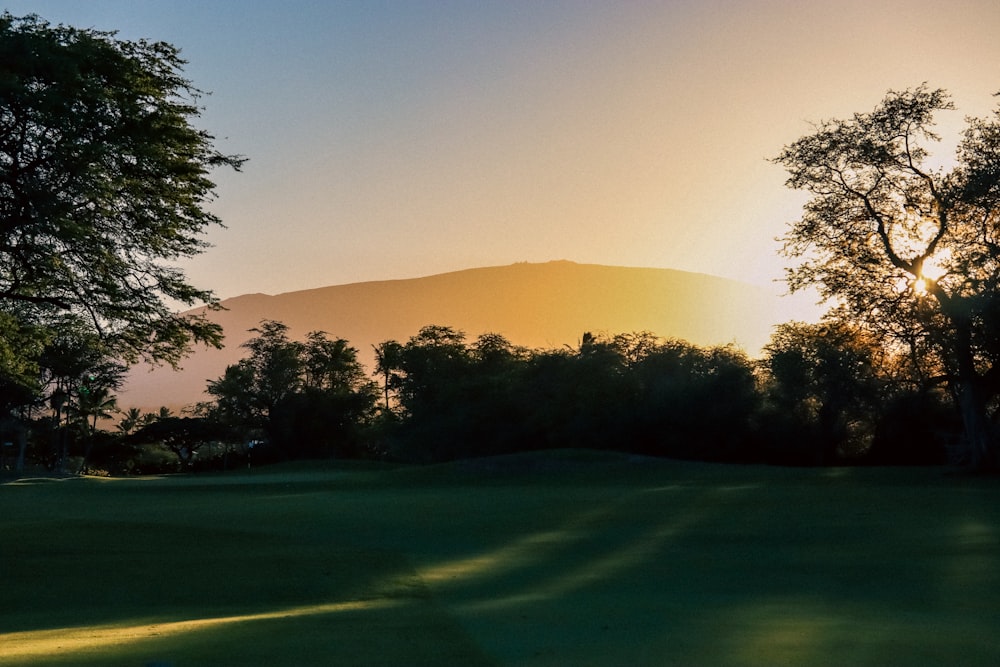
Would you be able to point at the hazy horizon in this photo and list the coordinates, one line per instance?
(547, 305)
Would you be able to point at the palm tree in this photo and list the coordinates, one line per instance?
(388, 357)
(97, 403)
(94, 403)
(130, 421)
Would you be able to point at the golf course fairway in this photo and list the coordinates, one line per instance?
(551, 558)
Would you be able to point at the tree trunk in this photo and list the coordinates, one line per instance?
(22, 446)
(978, 430)
(972, 401)
(90, 447)
(86, 456)
(62, 432)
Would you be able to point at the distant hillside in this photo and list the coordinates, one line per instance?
(535, 305)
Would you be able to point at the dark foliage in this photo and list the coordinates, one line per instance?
(824, 394)
(672, 399)
(302, 399)
(916, 429)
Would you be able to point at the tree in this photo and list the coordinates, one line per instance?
(636, 346)
(20, 373)
(275, 365)
(94, 402)
(130, 421)
(429, 364)
(183, 436)
(824, 387)
(330, 364)
(387, 365)
(307, 397)
(235, 406)
(249, 393)
(335, 399)
(903, 245)
(77, 375)
(693, 402)
(455, 399)
(103, 186)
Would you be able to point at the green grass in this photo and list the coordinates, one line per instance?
(568, 558)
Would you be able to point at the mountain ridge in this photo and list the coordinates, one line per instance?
(537, 305)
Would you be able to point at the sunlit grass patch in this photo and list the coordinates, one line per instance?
(363, 632)
(30, 645)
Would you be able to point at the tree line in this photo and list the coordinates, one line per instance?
(104, 186)
(820, 394)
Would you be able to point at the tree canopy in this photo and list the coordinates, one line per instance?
(307, 398)
(104, 182)
(908, 249)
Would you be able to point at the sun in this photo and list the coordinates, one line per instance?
(934, 268)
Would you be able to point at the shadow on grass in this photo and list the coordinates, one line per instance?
(799, 567)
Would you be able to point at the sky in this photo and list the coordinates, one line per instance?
(401, 139)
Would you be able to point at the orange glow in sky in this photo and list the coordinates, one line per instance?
(400, 139)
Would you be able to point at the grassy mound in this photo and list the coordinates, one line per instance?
(542, 559)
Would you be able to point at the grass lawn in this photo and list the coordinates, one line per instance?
(566, 558)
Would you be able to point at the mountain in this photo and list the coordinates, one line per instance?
(547, 305)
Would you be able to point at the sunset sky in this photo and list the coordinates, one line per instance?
(400, 139)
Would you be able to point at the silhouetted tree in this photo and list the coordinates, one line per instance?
(335, 400)
(627, 392)
(105, 183)
(388, 365)
(601, 392)
(184, 436)
(309, 398)
(130, 421)
(915, 428)
(93, 403)
(897, 240)
(73, 363)
(695, 402)
(234, 402)
(824, 387)
(21, 348)
(495, 351)
(429, 363)
(635, 346)
(430, 371)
